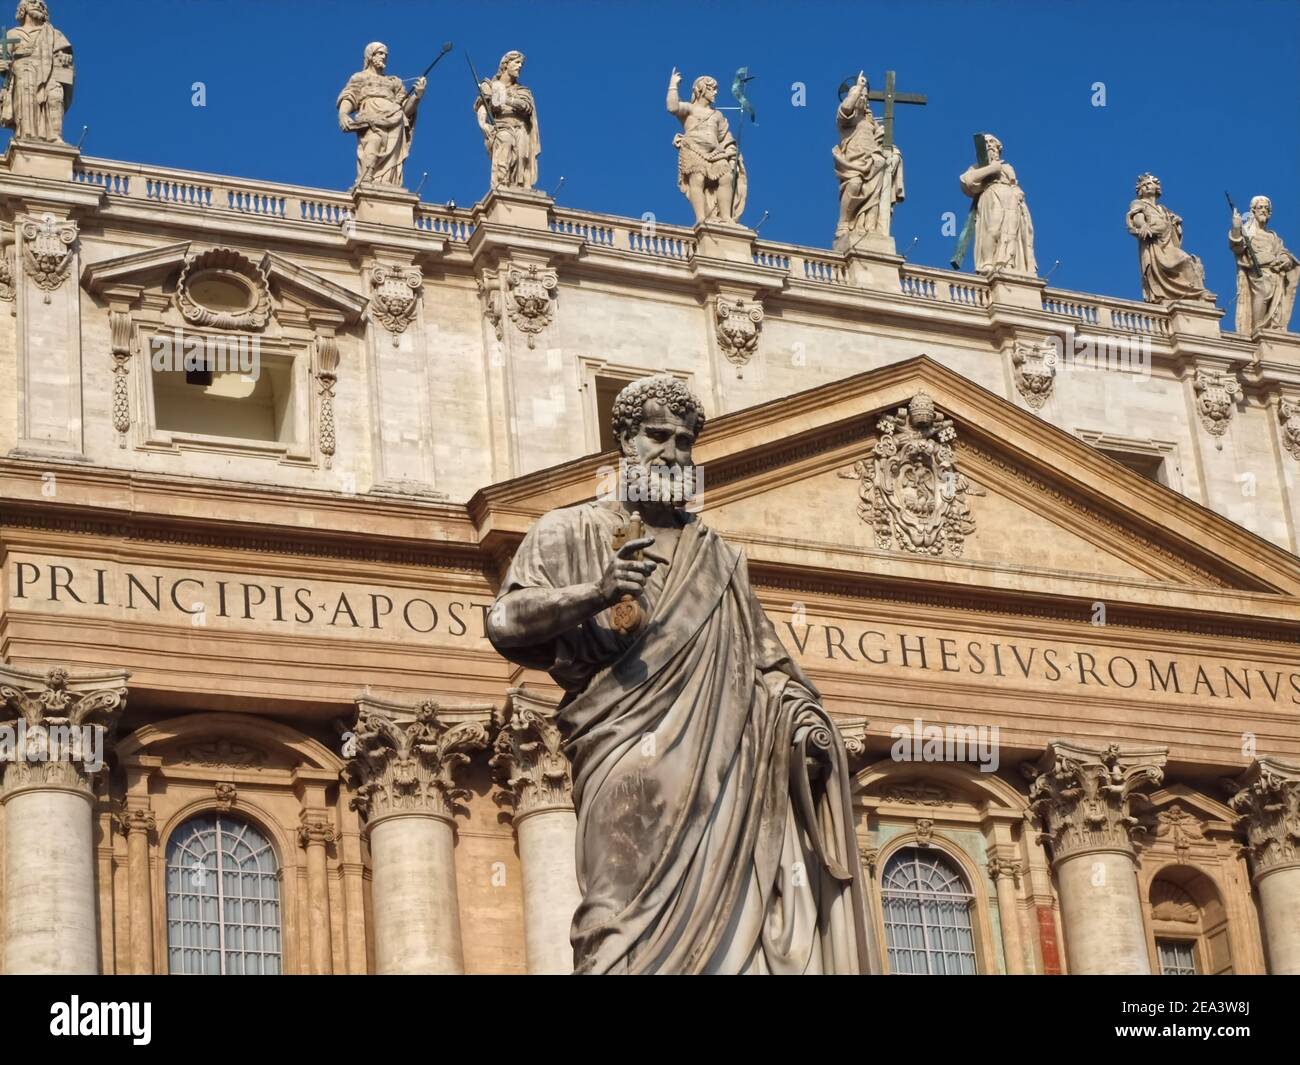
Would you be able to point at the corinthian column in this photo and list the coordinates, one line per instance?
(403, 762)
(51, 751)
(1269, 802)
(138, 824)
(531, 766)
(1005, 873)
(1085, 798)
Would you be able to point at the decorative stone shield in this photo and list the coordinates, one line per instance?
(395, 295)
(909, 488)
(47, 250)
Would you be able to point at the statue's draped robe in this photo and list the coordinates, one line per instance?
(36, 73)
(377, 100)
(871, 178)
(1004, 232)
(515, 142)
(703, 137)
(1276, 283)
(1168, 272)
(703, 844)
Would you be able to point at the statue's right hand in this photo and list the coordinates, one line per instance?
(626, 575)
(674, 79)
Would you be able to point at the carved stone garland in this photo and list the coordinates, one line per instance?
(327, 355)
(119, 324)
(909, 489)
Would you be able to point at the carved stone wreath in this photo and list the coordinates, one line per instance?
(395, 296)
(237, 272)
(909, 489)
(532, 298)
(739, 324)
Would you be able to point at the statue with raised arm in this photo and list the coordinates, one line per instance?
(1004, 232)
(507, 117)
(715, 828)
(870, 172)
(1168, 272)
(710, 170)
(1266, 272)
(37, 64)
(379, 110)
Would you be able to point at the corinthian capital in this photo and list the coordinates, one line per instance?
(1268, 800)
(56, 727)
(528, 759)
(1089, 799)
(404, 759)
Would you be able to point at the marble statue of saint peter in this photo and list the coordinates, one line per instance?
(715, 828)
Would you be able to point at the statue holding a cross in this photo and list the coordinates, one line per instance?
(867, 163)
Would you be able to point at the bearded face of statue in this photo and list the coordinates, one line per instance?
(1262, 210)
(659, 465)
(378, 60)
(35, 9)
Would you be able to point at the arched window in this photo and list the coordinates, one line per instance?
(927, 914)
(223, 898)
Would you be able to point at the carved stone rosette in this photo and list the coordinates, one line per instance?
(1289, 415)
(48, 251)
(532, 298)
(395, 296)
(1216, 399)
(739, 323)
(1088, 799)
(1269, 804)
(51, 723)
(1035, 366)
(409, 767)
(910, 490)
(529, 760)
(119, 323)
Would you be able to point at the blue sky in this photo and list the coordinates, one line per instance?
(1203, 93)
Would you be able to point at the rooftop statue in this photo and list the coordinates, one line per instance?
(1168, 272)
(1004, 232)
(1266, 272)
(869, 169)
(37, 60)
(379, 110)
(710, 170)
(715, 829)
(507, 115)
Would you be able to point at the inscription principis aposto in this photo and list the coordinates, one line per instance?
(222, 601)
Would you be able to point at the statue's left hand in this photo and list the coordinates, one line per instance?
(418, 87)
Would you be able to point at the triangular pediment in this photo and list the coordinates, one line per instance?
(1040, 514)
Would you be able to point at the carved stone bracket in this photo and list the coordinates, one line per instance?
(226, 795)
(132, 819)
(1216, 399)
(1289, 414)
(999, 867)
(1090, 799)
(48, 249)
(490, 294)
(1035, 365)
(7, 284)
(395, 296)
(909, 489)
(533, 290)
(528, 759)
(409, 767)
(739, 323)
(62, 727)
(1268, 800)
(316, 828)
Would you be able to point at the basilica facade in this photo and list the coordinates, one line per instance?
(267, 452)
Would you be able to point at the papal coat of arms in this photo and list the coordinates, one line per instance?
(909, 489)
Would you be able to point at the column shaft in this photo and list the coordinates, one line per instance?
(547, 854)
(413, 890)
